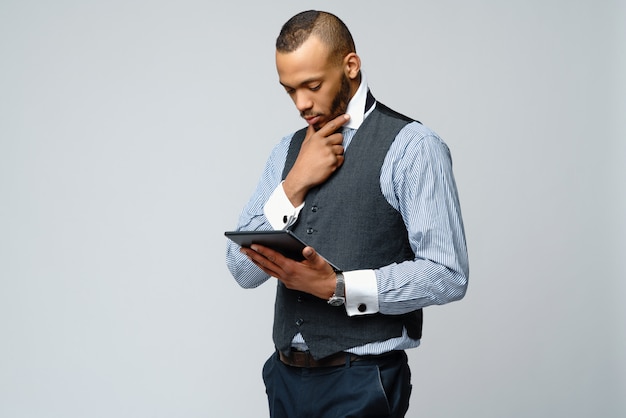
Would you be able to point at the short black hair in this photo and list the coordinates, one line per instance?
(328, 27)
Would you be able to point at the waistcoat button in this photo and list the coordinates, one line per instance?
(300, 322)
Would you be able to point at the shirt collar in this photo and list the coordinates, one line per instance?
(356, 106)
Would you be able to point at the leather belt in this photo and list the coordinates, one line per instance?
(305, 359)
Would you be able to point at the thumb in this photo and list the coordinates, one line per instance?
(309, 132)
(309, 253)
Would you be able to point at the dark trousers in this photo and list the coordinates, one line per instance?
(370, 387)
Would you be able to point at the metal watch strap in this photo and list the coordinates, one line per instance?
(339, 297)
(340, 290)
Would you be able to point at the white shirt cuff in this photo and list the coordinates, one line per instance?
(361, 292)
(278, 209)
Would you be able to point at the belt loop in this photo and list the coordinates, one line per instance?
(348, 360)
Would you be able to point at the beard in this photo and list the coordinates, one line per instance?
(340, 102)
(339, 105)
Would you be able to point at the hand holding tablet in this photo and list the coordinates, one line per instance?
(283, 241)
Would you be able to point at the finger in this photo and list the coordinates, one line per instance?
(266, 252)
(334, 124)
(337, 150)
(264, 258)
(309, 132)
(309, 253)
(334, 139)
(314, 259)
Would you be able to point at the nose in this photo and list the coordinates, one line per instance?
(303, 101)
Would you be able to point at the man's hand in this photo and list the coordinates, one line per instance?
(313, 275)
(321, 154)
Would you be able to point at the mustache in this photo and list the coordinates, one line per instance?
(309, 114)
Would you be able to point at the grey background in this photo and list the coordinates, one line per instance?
(133, 132)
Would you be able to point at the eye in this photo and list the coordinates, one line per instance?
(315, 87)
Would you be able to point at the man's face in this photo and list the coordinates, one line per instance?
(318, 86)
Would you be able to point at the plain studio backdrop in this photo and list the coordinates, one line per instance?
(133, 132)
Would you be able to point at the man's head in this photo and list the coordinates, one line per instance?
(317, 65)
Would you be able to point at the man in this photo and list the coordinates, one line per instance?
(372, 192)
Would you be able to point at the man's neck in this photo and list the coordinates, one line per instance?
(356, 106)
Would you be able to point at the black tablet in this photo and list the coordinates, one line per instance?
(285, 242)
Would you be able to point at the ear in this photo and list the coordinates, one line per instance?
(352, 65)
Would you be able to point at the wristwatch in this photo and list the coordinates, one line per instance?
(339, 297)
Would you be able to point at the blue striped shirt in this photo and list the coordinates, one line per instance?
(417, 180)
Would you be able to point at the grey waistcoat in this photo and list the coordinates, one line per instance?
(349, 222)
